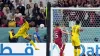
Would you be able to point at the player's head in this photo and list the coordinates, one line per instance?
(12, 30)
(17, 19)
(77, 22)
(57, 24)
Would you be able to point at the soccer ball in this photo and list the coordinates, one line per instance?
(41, 26)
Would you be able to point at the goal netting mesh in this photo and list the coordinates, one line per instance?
(89, 18)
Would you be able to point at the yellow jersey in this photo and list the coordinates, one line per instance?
(75, 30)
(10, 34)
(24, 28)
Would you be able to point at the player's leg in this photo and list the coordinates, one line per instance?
(62, 47)
(75, 50)
(77, 46)
(64, 43)
(32, 42)
(27, 37)
(58, 42)
(73, 43)
(78, 50)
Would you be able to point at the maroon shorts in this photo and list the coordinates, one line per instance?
(58, 42)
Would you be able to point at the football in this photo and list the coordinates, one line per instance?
(41, 25)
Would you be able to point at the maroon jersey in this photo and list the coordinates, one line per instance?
(57, 33)
(58, 40)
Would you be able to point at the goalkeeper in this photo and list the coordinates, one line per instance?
(22, 32)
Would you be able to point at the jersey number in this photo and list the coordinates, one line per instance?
(56, 35)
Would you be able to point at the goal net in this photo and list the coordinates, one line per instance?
(90, 23)
(89, 18)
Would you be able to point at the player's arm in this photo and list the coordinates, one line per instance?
(80, 29)
(65, 32)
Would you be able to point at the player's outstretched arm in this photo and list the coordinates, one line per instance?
(80, 29)
(65, 32)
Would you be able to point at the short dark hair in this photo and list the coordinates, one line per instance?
(77, 22)
(12, 29)
(57, 24)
